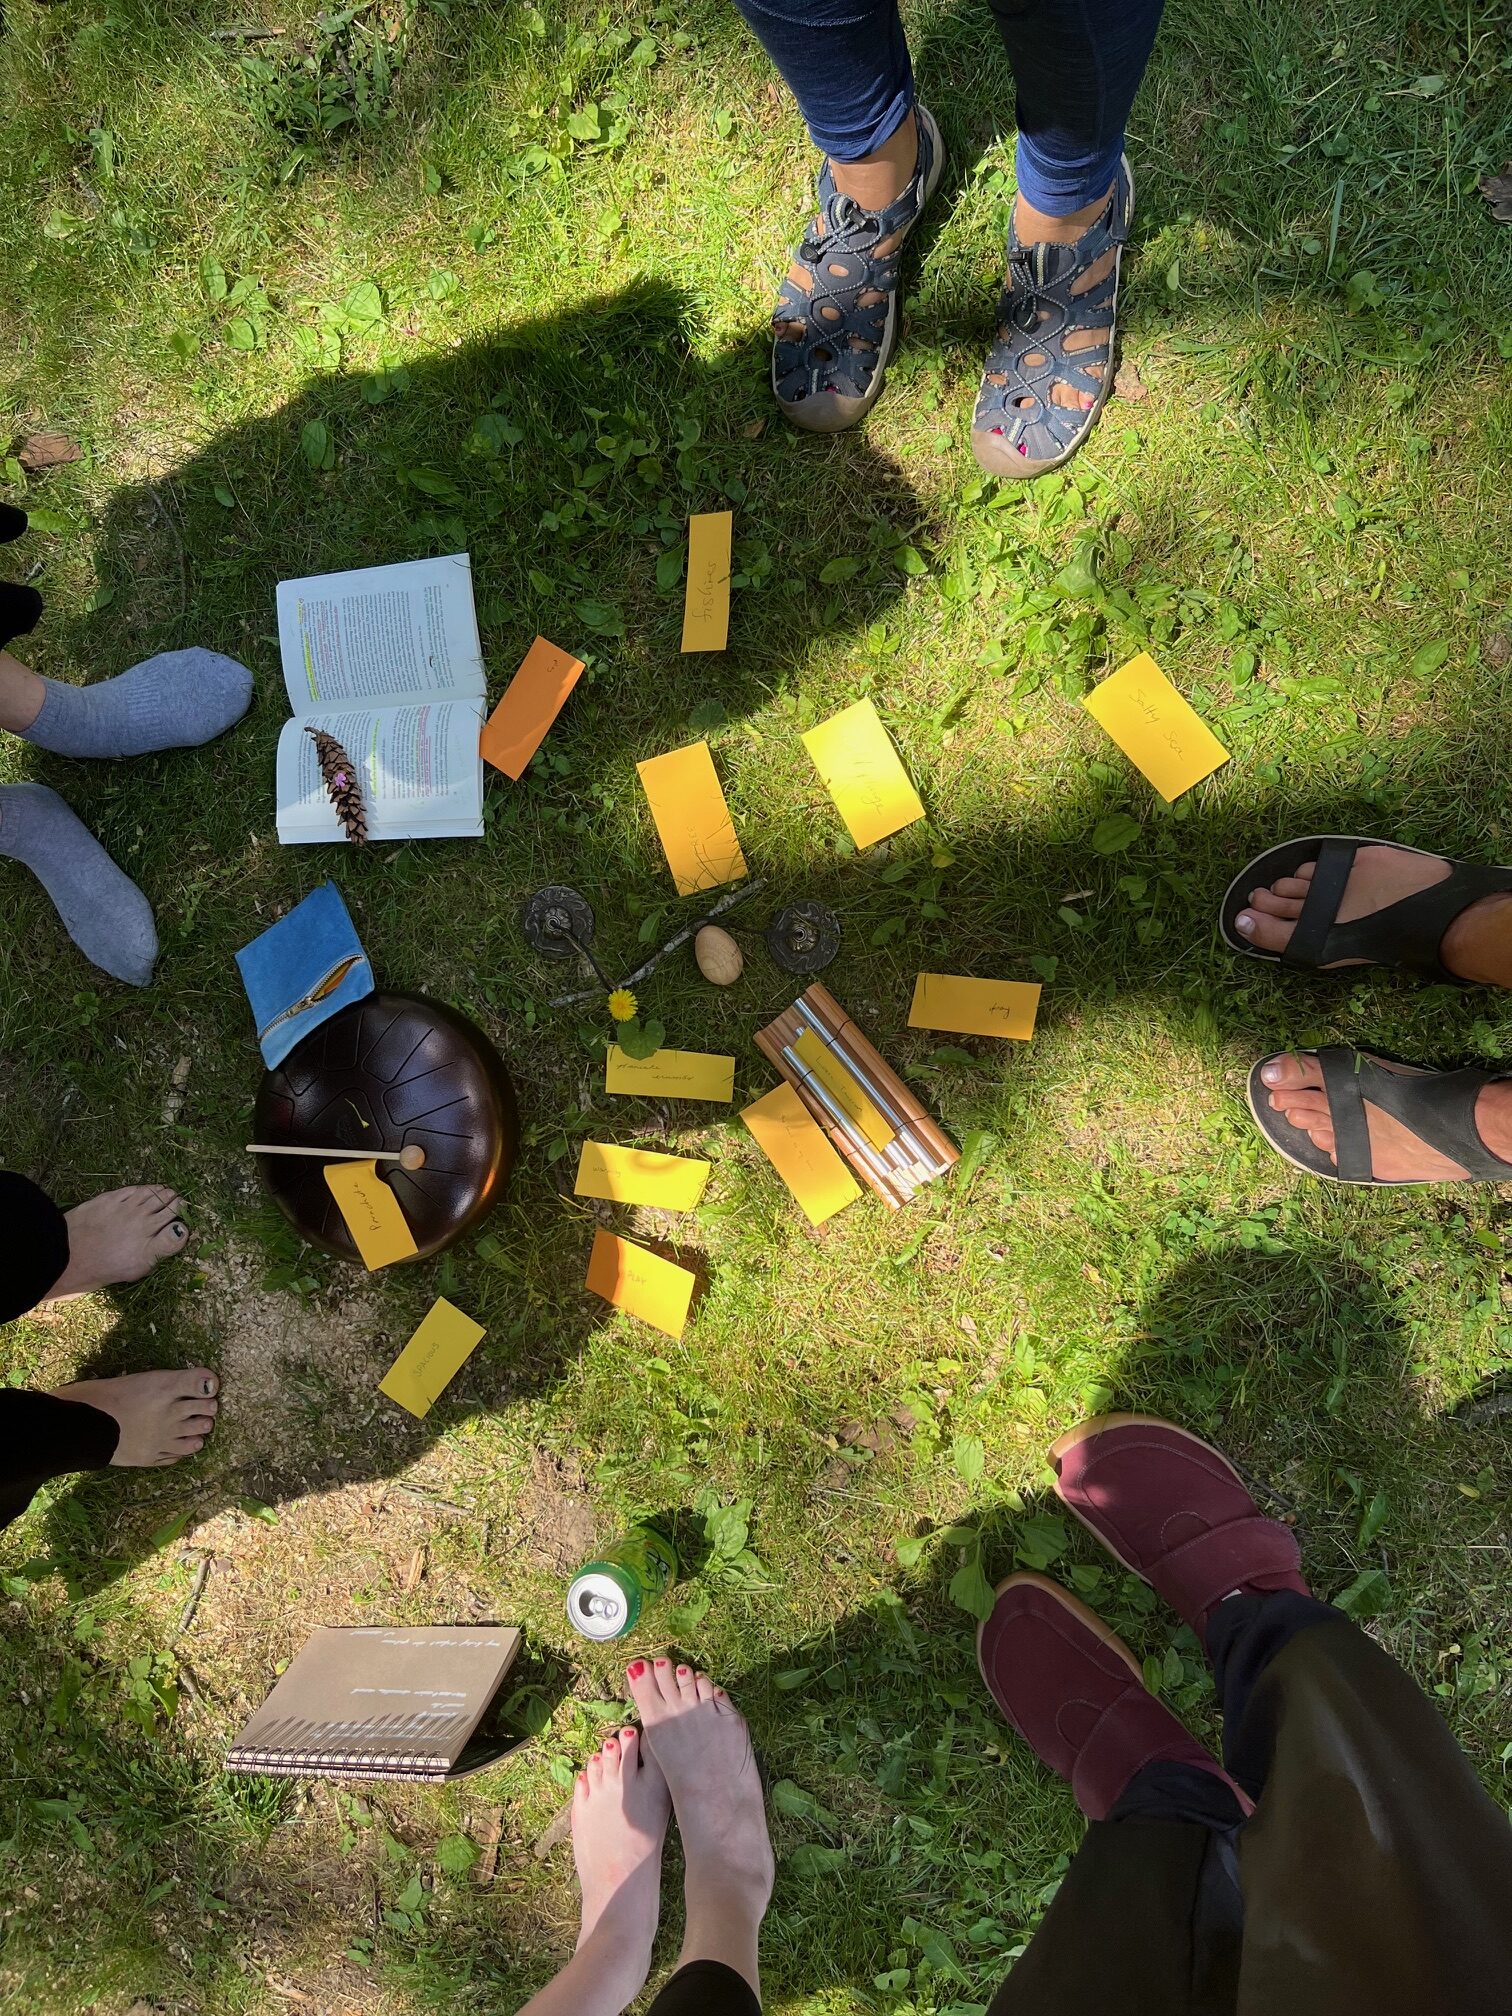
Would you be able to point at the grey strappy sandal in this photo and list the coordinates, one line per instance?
(1437, 1106)
(1407, 934)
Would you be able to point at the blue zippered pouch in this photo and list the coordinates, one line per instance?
(302, 970)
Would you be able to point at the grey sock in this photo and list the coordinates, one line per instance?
(103, 911)
(173, 701)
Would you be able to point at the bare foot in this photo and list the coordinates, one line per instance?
(1476, 947)
(703, 1745)
(620, 1810)
(1396, 1153)
(162, 1416)
(120, 1236)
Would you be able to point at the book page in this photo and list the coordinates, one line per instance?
(418, 766)
(381, 635)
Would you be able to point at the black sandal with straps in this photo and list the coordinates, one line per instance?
(1437, 1106)
(1407, 934)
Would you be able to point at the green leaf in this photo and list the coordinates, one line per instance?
(319, 448)
(412, 1899)
(969, 1588)
(1428, 658)
(792, 1800)
(969, 1458)
(1078, 578)
(102, 598)
(492, 434)
(586, 124)
(1367, 1596)
(638, 1039)
(911, 560)
(838, 570)
(727, 1528)
(456, 1854)
(1375, 1518)
(1113, 834)
(41, 519)
(240, 334)
(814, 1860)
(1045, 964)
(363, 308)
(669, 568)
(256, 1509)
(166, 1535)
(213, 278)
(225, 496)
(791, 1678)
(910, 1552)
(976, 1146)
(1040, 1539)
(707, 716)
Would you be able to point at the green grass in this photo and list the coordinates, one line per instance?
(1307, 519)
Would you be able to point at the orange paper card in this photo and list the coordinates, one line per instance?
(431, 1359)
(640, 1176)
(854, 755)
(706, 612)
(532, 700)
(671, 1074)
(1155, 728)
(636, 1279)
(795, 1145)
(372, 1213)
(692, 818)
(975, 1007)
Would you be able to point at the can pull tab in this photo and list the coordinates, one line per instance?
(594, 1605)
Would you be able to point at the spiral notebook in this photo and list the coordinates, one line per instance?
(378, 1701)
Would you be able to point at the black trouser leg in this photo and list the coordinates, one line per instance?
(706, 1988)
(1376, 1874)
(42, 1437)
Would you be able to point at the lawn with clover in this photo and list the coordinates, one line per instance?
(319, 292)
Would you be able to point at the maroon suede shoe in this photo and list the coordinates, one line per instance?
(1173, 1511)
(1073, 1690)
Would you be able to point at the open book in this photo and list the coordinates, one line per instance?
(387, 660)
(377, 1701)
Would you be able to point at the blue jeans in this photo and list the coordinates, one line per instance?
(1077, 65)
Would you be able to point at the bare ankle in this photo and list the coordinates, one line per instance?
(881, 178)
(1493, 1118)
(1038, 227)
(1478, 945)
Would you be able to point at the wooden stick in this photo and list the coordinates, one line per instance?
(412, 1157)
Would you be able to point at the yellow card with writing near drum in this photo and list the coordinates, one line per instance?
(692, 818)
(795, 1145)
(431, 1359)
(854, 755)
(1157, 730)
(640, 1176)
(706, 611)
(636, 1279)
(975, 1007)
(671, 1074)
(372, 1213)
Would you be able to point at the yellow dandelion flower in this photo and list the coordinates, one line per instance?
(622, 1005)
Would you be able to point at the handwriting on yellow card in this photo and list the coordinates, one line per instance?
(532, 700)
(975, 1007)
(640, 1176)
(372, 1213)
(636, 1279)
(1155, 728)
(706, 612)
(671, 1074)
(795, 1145)
(692, 818)
(431, 1359)
(816, 1056)
(854, 755)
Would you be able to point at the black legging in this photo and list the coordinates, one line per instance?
(41, 1437)
(1374, 1879)
(20, 607)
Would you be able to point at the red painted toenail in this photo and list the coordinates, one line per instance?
(636, 1668)
(661, 1662)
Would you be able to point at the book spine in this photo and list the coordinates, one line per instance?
(316, 1763)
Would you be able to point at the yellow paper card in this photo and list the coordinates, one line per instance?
(975, 1007)
(795, 1145)
(706, 612)
(532, 700)
(816, 1056)
(1155, 728)
(671, 1074)
(636, 1279)
(854, 755)
(372, 1213)
(640, 1176)
(431, 1359)
(692, 818)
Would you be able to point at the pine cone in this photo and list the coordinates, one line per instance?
(340, 775)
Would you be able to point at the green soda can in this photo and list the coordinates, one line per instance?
(610, 1596)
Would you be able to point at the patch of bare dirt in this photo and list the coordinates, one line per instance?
(557, 1513)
